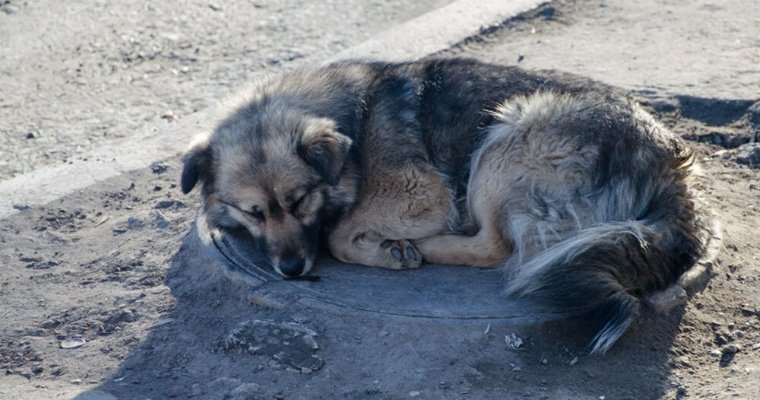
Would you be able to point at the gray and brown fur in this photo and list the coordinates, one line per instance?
(586, 199)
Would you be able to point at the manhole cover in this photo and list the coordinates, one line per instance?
(430, 292)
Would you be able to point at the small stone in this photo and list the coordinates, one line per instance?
(35, 332)
(749, 154)
(9, 9)
(73, 343)
(728, 354)
(30, 135)
(513, 341)
(161, 221)
(169, 116)
(76, 381)
(544, 361)
(732, 348)
(164, 204)
(756, 346)
(159, 168)
(414, 393)
(574, 361)
(715, 353)
(683, 361)
(723, 336)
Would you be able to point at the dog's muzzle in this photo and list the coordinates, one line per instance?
(291, 267)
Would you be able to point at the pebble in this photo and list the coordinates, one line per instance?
(73, 343)
(715, 353)
(513, 341)
(169, 116)
(756, 346)
(544, 361)
(414, 393)
(35, 332)
(9, 9)
(749, 154)
(731, 349)
(574, 361)
(20, 207)
(159, 168)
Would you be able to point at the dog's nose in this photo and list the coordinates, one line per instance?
(291, 267)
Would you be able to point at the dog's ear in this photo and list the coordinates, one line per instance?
(197, 164)
(324, 148)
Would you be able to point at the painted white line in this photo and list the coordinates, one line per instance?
(438, 30)
(427, 34)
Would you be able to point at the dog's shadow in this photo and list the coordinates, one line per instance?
(222, 339)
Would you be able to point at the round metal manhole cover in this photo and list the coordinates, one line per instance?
(430, 292)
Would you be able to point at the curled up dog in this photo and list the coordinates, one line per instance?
(585, 200)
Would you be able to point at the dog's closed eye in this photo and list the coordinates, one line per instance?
(256, 212)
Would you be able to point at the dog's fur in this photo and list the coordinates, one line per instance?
(587, 200)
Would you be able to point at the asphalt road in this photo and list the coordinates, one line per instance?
(78, 75)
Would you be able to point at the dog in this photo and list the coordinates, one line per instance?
(586, 201)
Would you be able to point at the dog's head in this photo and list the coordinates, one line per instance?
(279, 175)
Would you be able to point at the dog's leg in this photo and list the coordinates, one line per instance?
(489, 191)
(411, 204)
(485, 249)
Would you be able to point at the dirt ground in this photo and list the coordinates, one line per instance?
(113, 265)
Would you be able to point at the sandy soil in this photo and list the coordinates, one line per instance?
(108, 265)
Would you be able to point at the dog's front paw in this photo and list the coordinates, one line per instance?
(403, 254)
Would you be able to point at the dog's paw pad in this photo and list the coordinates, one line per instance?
(403, 254)
(411, 253)
(396, 253)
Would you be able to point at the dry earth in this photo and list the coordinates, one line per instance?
(107, 265)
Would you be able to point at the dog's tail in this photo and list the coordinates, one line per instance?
(602, 270)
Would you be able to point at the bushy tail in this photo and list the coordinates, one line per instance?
(602, 271)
